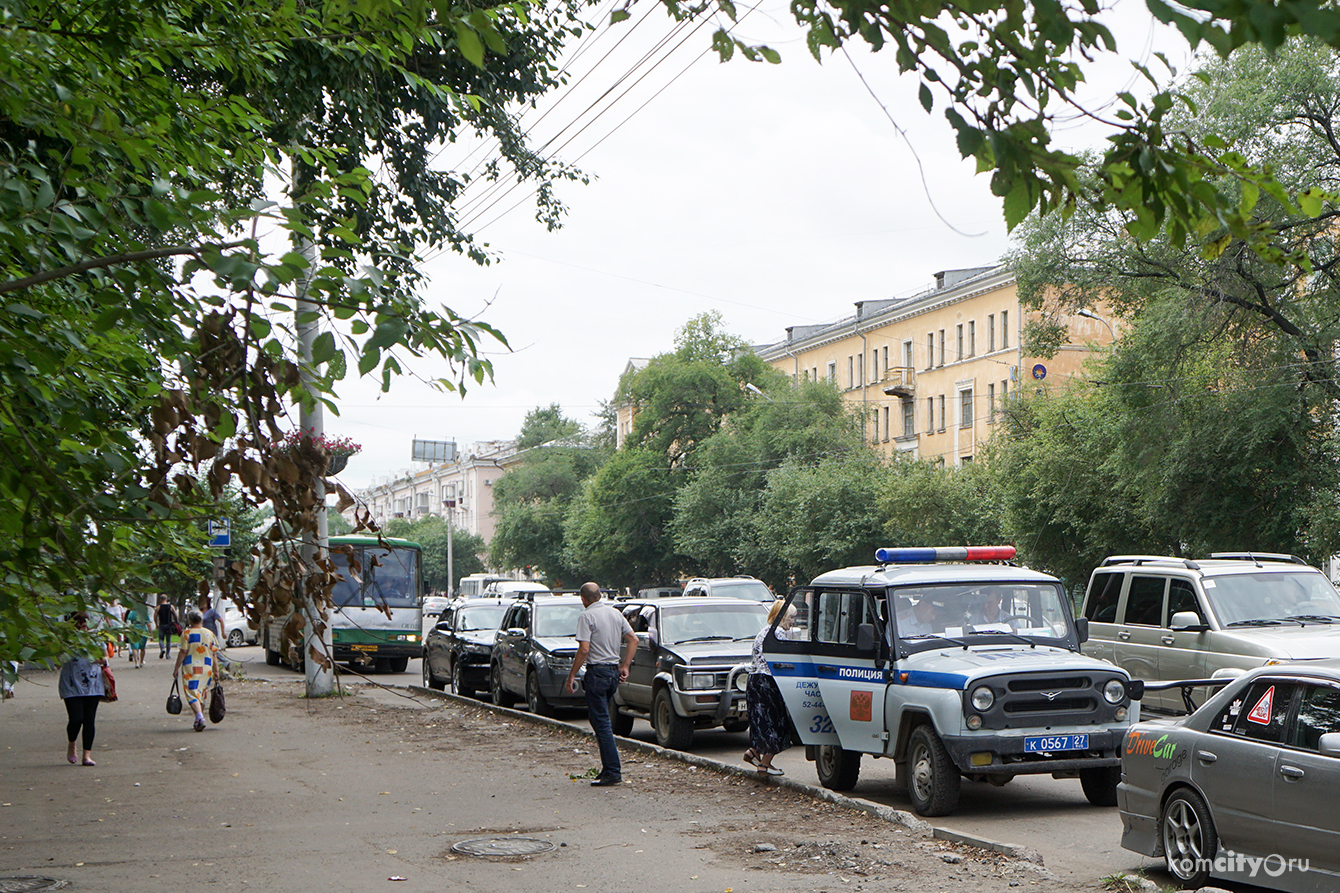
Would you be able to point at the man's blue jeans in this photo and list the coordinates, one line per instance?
(601, 681)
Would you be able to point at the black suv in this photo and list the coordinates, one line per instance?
(460, 643)
(680, 677)
(534, 652)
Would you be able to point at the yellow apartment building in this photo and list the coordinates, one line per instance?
(930, 372)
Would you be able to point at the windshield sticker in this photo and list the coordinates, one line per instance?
(1261, 712)
(861, 704)
(1207, 584)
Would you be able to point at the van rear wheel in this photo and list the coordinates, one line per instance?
(933, 779)
(838, 769)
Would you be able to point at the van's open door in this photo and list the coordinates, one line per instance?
(790, 657)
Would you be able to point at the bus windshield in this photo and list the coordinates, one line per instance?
(391, 583)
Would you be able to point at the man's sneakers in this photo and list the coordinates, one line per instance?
(606, 781)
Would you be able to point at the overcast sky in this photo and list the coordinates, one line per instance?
(775, 194)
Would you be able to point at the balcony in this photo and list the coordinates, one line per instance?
(899, 381)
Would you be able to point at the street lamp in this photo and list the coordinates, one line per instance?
(1089, 314)
(448, 509)
(754, 389)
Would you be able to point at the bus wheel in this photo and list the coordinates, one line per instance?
(399, 664)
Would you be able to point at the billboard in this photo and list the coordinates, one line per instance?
(434, 451)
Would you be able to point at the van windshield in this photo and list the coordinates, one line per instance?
(1272, 599)
(958, 610)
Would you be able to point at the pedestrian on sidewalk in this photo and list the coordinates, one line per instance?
(81, 687)
(195, 660)
(769, 723)
(165, 616)
(599, 629)
(137, 634)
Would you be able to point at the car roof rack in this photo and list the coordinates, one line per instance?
(1139, 560)
(1258, 557)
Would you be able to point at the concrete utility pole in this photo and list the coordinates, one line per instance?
(449, 509)
(320, 679)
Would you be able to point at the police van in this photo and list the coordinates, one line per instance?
(954, 663)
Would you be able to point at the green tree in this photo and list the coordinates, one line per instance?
(616, 529)
(719, 511)
(925, 503)
(532, 499)
(146, 334)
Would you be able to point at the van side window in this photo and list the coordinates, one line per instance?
(1104, 592)
(1182, 597)
(840, 613)
(1144, 601)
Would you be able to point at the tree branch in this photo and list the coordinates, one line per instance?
(110, 260)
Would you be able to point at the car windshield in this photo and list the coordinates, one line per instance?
(750, 589)
(556, 621)
(1269, 599)
(706, 623)
(480, 617)
(980, 610)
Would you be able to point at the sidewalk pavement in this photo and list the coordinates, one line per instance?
(372, 791)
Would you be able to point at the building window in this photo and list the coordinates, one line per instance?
(942, 347)
(860, 369)
(909, 419)
(886, 362)
(958, 342)
(1004, 391)
(990, 332)
(1004, 328)
(965, 409)
(816, 373)
(874, 425)
(907, 354)
(874, 365)
(991, 403)
(930, 350)
(965, 460)
(930, 414)
(972, 337)
(942, 413)
(851, 372)
(832, 372)
(886, 424)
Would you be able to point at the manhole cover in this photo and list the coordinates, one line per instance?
(500, 846)
(30, 884)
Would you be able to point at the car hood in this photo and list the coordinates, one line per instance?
(557, 644)
(719, 652)
(1290, 642)
(993, 661)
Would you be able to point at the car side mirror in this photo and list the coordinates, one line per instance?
(443, 627)
(1082, 630)
(1187, 622)
(865, 638)
(516, 631)
(1329, 744)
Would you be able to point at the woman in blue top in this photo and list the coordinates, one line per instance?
(81, 688)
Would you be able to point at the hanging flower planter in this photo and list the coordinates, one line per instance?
(337, 450)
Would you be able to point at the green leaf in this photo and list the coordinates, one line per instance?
(618, 16)
(323, 347)
(469, 44)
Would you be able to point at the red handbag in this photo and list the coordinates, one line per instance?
(108, 684)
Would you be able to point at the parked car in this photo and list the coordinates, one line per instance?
(731, 587)
(1244, 788)
(459, 645)
(1173, 618)
(660, 592)
(953, 670)
(679, 680)
(236, 630)
(432, 610)
(534, 652)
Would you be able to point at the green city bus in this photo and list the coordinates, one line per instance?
(361, 629)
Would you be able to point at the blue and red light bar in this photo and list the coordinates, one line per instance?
(944, 553)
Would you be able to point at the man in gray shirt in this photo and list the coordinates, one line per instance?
(599, 629)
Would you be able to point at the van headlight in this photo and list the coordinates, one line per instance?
(982, 698)
(1114, 692)
(699, 681)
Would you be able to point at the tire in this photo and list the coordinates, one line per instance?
(535, 700)
(622, 723)
(429, 680)
(1100, 785)
(932, 778)
(458, 683)
(235, 639)
(1189, 839)
(398, 664)
(672, 730)
(271, 657)
(501, 697)
(739, 725)
(838, 769)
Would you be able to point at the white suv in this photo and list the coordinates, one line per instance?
(731, 587)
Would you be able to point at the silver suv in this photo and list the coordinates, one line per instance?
(1165, 618)
(731, 587)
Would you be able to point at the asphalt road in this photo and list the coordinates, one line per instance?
(1078, 841)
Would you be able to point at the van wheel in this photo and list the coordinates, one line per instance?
(838, 769)
(1100, 785)
(1189, 838)
(933, 779)
(535, 700)
(672, 730)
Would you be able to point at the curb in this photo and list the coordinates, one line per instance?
(888, 814)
